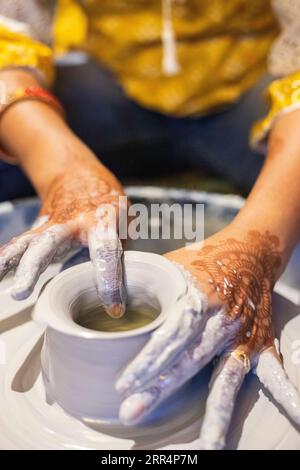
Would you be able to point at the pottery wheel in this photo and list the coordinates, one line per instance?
(27, 421)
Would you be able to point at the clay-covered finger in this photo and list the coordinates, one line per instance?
(224, 386)
(184, 323)
(202, 342)
(36, 258)
(164, 346)
(217, 335)
(142, 402)
(272, 375)
(11, 253)
(106, 254)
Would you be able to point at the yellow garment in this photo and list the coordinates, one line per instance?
(283, 96)
(221, 45)
(221, 48)
(70, 26)
(18, 50)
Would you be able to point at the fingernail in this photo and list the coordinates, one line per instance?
(21, 291)
(115, 310)
(134, 408)
(20, 295)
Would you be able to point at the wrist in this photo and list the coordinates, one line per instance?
(57, 155)
(241, 227)
(66, 158)
(269, 212)
(26, 112)
(25, 123)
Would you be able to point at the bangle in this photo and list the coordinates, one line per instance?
(32, 93)
(29, 93)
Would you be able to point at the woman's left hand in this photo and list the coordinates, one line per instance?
(229, 314)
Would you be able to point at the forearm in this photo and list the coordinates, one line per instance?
(39, 137)
(274, 202)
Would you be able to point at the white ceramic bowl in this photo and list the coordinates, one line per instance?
(79, 365)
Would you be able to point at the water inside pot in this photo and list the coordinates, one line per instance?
(95, 318)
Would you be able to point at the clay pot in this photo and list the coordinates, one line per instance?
(80, 366)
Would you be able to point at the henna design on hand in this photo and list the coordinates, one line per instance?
(234, 279)
(76, 211)
(242, 274)
(69, 197)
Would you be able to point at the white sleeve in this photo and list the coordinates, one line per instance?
(33, 18)
(284, 57)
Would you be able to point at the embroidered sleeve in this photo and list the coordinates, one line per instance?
(284, 64)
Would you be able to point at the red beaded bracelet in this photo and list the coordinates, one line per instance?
(28, 93)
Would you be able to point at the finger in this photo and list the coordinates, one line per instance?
(36, 259)
(106, 255)
(213, 340)
(225, 384)
(216, 337)
(62, 250)
(217, 332)
(272, 375)
(11, 253)
(182, 326)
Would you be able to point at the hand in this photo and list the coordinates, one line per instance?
(228, 314)
(75, 189)
(74, 212)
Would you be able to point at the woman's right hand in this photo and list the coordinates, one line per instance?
(77, 193)
(75, 211)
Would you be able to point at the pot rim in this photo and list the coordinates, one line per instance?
(67, 325)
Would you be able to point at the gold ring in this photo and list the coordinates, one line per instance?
(242, 357)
